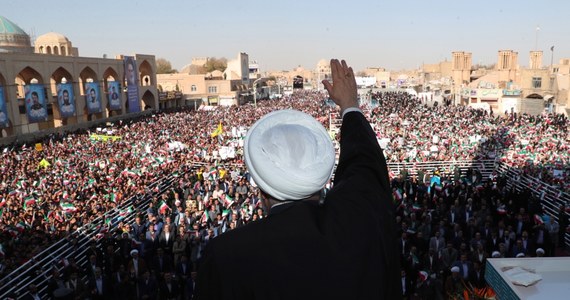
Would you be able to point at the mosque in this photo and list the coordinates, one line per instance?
(47, 86)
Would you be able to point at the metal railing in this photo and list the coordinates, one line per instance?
(38, 269)
(550, 196)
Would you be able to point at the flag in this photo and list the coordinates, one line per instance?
(28, 202)
(552, 48)
(397, 197)
(124, 213)
(44, 163)
(416, 207)
(21, 226)
(422, 275)
(205, 217)
(162, 207)
(501, 210)
(2, 201)
(68, 207)
(538, 219)
(228, 201)
(225, 212)
(218, 130)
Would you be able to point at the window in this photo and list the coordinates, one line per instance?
(193, 88)
(212, 89)
(536, 82)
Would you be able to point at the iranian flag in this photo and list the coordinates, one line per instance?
(2, 201)
(416, 207)
(228, 201)
(204, 218)
(20, 226)
(162, 207)
(502, 210)
(29, 201)
(68, 207)
(538, 219)
(124, 213)
(398, 195)
(225, 212)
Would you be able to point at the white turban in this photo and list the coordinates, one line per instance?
(496, 254)
(289, 154)
(540, 250)
(134, 251)
(455, 269)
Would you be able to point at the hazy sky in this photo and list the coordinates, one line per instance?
(281, 35)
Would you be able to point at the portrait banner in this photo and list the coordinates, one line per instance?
(4, 120)
(92, 97)
(36, 107)
(132, 79)
(114, 95)
(65, 100)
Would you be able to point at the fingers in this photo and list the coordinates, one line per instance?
(328, 86)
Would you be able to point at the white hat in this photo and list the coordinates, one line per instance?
(134, 251)
(455, 269)
(519, 255)
(540, 250)
(496, 254)
(289, 154)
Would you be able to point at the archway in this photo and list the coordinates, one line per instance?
(63, 97)
(33, 101)
(90, 88)
(113, 92)
(146, 71)
(148, 101)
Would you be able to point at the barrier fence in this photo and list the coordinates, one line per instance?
(38, 269)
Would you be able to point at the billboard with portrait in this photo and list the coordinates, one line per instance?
(92, 97)
(132, 79)
(4, 121)
(65, 100)
(36, 107)
(114, 95)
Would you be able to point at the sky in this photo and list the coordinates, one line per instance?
(281, 35)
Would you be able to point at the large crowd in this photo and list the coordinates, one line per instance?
(47, 194)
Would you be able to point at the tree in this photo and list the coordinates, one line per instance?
(163, 66)
(216, 64)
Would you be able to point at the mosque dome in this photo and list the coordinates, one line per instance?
(54, 43)
(13, 38)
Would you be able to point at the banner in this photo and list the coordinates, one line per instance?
(104, 138)
(132, 79)
(36, 108)
(4, 121)
(114, 95)
(92, 97)
(65, 100)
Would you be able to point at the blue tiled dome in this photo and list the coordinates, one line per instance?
(8, 27)
(13, 38)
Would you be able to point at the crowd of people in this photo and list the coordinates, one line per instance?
(75, 178)
(417, 132)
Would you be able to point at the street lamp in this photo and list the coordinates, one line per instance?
(255, 90)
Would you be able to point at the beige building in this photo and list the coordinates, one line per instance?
(510, 88)
(57, 62)
(229, 87)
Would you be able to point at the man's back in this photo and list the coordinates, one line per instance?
(344, 249)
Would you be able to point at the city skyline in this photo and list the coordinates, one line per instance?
(393, 35)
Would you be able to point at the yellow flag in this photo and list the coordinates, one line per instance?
(39, 147)
(44, 163)
(218, 130)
